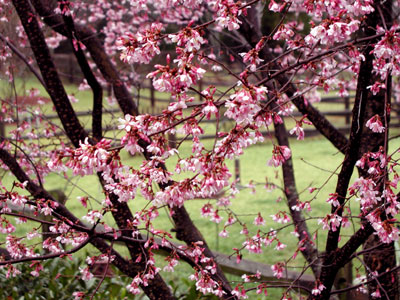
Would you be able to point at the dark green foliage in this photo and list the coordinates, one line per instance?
(59, 279)
(187, 291)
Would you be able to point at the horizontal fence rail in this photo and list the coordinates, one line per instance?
(151, 105)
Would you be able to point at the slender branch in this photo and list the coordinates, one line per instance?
(309, 251)
(47, 256)
(252, 37)
(24, 59)
(103, 277)
(345, 290)
(308, 248)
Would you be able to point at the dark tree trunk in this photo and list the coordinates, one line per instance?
(363, 140)
(383, 257)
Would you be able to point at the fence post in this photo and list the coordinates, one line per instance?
(152, 100)
(200, 87)
(237, 170)
(172, 140)
(344, 279)
(347, 107)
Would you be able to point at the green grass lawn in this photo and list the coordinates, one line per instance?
(316, 164)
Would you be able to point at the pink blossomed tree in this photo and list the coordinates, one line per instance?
(308, 48)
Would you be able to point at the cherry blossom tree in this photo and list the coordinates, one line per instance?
(313, 47)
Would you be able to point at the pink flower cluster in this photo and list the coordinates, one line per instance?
(227, 12)
(244, 105)
(142, 46)
(280, 154)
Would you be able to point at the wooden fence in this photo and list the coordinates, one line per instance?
(152, 105)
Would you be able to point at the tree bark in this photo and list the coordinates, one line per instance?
(383, 257)
(97, 90)
(363, 140)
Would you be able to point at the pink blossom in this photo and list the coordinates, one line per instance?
(262, 288)
(367, 194)
(281, 217)
(319, 287)
(298, 130)
(376, 294)
(227, 14)
(252, 57)
(92, 216)
(13, 271)
(133, 287)
(243, 105)
(375, 88)
(205, 284)
(331, 221)
(279, 246)
(278, 270)
(216, 217)
(73, 99)
(375, 124)
(333, 199)
(275, 7)
(86, 275)
(219, 292)
(240, 292)
(142, 47)
(210, 109)
(78, 295)
(283, 33)
(188, 38)
(171, 265)
(279, 155)
(246, 278)
(244, 230)
(259, 220)
(224, 233)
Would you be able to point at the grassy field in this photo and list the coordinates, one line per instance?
(316, 164)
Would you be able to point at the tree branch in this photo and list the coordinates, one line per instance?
(96, 50)
(309, 251)
(46, 65)
(90, 78)
(253, 36)
(24, 59)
